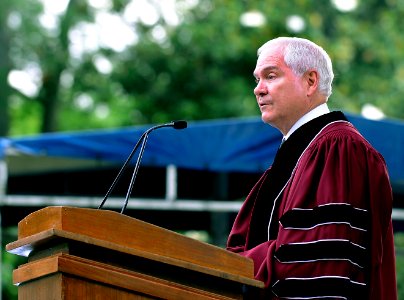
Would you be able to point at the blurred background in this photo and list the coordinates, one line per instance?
(73, 66)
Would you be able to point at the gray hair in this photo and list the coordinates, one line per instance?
(302, 55)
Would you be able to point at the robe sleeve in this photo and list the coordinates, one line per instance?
(239, 234)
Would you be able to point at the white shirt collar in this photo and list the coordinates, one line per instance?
(314, 113)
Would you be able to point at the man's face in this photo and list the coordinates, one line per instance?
(281, 95)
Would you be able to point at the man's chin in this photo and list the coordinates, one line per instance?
(267, 118)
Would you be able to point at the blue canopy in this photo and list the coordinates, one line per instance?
(233, 145)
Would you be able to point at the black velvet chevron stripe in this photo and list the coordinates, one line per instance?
(321, 287)
(331, 213)
(322, 250)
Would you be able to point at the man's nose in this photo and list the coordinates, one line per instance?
(260, 89)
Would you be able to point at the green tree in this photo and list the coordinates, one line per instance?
(47, 50)
(199, 68)
(4, 70)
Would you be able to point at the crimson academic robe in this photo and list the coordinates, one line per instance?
(318, 224)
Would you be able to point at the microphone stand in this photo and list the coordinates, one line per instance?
(121, 171)
(132, 181)
(175, 124)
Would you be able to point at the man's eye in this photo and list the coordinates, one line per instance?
(270, 76)
(256, 80)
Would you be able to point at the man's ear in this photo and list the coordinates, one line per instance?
(312, 81)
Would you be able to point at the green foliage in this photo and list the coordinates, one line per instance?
(9, 263)
(201, 67)
(28, 113)
(399, 244)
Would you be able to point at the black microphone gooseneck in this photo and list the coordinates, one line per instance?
(175, 124)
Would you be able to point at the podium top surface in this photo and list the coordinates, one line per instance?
(118, 232)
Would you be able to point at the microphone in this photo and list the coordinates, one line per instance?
(180, 124)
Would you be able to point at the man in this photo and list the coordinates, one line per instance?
(318, 222)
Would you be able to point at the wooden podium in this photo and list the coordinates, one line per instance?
(82, 253)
